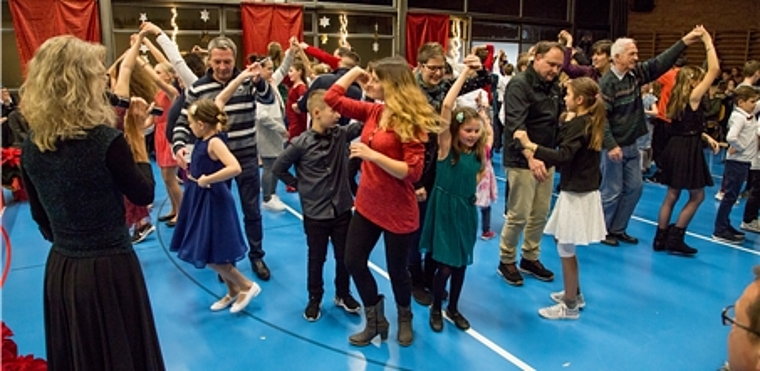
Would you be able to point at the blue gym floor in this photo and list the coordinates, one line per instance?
(645, 310)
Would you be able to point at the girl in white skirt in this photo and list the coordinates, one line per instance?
(577, 218)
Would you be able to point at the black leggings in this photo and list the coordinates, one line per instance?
(439, 287)
(362, 237)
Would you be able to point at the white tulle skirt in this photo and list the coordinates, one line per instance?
(577, 218)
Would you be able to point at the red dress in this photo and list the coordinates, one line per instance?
(133, 213)
(164, 155)
(296, 121)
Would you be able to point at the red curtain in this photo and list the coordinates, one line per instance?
(38, 20)
(423, 28)
(263, 23)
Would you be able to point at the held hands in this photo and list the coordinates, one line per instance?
(181, 156)
(472, 62)
(362, 151)
(420, 194)
(149, 27)
(360, 75)
(253, 71)
(695, 35)
(714, 145)
(566, 37)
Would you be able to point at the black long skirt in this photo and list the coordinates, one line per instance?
(98, 314)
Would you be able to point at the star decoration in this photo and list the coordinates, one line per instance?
(143, 17)
(324, 38)
(144, 48)
(375, 47)
(324, 22)
(205, 15)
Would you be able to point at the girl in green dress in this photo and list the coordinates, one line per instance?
(450, 228)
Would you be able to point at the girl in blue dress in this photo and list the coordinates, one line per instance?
(208, 228)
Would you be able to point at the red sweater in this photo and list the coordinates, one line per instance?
(382, 198)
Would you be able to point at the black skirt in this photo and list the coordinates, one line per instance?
(683, 163)
(98, 314)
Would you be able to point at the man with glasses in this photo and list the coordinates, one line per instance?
(744, 337)
(431, 68)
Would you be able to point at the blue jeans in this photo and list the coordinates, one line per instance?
(621, 188)
(734, 173)
(248, 185)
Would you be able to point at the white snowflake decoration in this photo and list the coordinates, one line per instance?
(324, 22)
(375, 47)
(143, 17)
(205, 16)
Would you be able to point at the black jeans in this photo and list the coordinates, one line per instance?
(421, 270)
(753, 201)
(318, 234)
(362, 237)
(248, 184)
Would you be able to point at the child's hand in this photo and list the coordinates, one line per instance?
(203, 182)
(731, 150)
(713, 145)
(520, 135)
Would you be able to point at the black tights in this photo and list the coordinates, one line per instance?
(439, 285)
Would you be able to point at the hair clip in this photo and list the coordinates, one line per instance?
(460, 117)
(193, 109)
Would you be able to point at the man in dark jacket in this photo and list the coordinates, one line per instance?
(532, 102)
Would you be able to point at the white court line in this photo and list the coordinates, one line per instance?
(695, 235)
(475, 335)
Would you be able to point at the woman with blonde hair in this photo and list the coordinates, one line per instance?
(77, 169)
(392, 149)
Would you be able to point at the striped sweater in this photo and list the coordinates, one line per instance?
(240, 109)
(622, 97)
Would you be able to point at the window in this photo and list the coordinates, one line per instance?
(367, 2)
(362, 46)
(495, 31)
(357, 24)
(455, 5)
(504, 7)
(545, 9)
(188, 17)
(534, 34)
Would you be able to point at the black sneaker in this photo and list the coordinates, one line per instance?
(728, 237)
(261, 269)
(610, 240)
(422, 296)
(510, 274)
(348, 303)
(736, 233)
(313, 310)
(141, 233)
(535, 268)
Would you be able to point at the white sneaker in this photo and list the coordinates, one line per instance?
(274, 204)
(559, 297)
(753, 226)
(719, 196)
(559, 311)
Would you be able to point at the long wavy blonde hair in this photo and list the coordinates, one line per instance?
(65, 91)
(411, 116)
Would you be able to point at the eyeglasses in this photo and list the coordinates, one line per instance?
(435, 68)
(729, 319)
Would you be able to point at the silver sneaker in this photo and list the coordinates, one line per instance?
(753, 226)
(559, 311)
(559, 297)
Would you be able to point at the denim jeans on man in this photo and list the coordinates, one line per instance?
(621, 188)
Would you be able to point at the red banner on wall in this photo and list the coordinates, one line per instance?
(424, 28)
(263, 23)
(38, 20)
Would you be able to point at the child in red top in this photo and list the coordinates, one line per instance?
(392, 151)
(296, 118)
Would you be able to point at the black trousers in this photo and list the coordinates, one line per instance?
(362, 237)
(319, 232)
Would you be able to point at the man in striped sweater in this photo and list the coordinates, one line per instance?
(241, 116)
(620, 88)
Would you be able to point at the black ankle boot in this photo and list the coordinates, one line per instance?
(436, 320)
(376, 325)
(676, 244)
(661, 239)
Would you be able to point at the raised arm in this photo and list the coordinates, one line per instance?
(282, 71)
(172, 53)
(444, 137)
(157, 54)
(225, 95)
(337, 99)
(321, 55)
(713, 71)
(121, 88)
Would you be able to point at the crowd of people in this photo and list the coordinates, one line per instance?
(422, 136)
